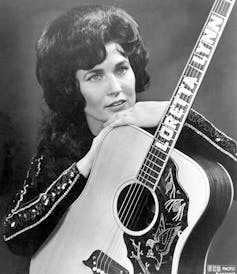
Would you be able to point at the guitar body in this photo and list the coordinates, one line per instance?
(127, 222)
(93, 238)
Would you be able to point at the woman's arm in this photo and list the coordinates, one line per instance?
(198, 136)
(36, 209)
(45, 197)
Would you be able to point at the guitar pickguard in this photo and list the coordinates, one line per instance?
(153, 251)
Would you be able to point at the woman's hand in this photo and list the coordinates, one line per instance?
(85, 164)
(143, 114)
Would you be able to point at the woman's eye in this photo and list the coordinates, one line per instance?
(122, 70)
(94, 77)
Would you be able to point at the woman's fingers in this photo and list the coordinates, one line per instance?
(143, 114)
(121, 118)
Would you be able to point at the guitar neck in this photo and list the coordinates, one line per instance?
(184, 94)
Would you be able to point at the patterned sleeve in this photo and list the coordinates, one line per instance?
(37, 209)
(214, 136)
(199, 136)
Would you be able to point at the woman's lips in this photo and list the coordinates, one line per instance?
(116, 104)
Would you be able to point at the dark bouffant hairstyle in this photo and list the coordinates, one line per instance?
(76, 40)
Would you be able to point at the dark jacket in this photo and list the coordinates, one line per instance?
(37, 209)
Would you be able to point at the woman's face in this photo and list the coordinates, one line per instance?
(108, 88)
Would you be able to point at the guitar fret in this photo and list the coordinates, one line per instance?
(157, 164)
(154, 166)
(200, 55)
(149, 175)
(163, 123)
(146, 181)
(155, 170)
(161, 153)
(218, 15)
(192, 71)
(150, 165)
(184, 98)
(219, 6)
(225, 8)
(146, 174)
(175, 103)
(156, 159)
(199, 61)
(167, 151)
(208, 45)
(149, 184)
(195, 68)
(184, 109)
(174, 130)
(163, 140)
(154, 175)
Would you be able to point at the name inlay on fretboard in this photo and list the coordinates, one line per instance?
(172, 122)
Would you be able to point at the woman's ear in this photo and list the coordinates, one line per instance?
(77, 83)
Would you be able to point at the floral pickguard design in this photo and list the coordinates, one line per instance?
(153, 252)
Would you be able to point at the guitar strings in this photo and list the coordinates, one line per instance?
(217, 7)
(149, 165)
(139, 185)
(112, 240)
(191, 72)
(140, 194)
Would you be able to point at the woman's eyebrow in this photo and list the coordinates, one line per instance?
(96, 70)
(124, 62)
(93, 71)
(100, 70)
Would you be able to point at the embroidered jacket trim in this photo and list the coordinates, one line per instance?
(37, 211)
(199, 124)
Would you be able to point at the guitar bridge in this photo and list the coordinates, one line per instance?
(99, 262)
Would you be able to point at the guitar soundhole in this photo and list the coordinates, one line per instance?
(135, 207)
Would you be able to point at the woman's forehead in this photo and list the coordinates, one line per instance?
(114, 55)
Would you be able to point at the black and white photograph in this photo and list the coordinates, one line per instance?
(118, 129)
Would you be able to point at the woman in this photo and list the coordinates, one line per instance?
(91, 62)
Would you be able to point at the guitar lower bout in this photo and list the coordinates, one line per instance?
(174, 228)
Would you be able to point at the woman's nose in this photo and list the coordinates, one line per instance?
(114, 87)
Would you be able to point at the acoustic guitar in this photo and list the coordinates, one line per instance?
(147, 208)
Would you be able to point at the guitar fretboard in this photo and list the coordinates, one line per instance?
(182, 99)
